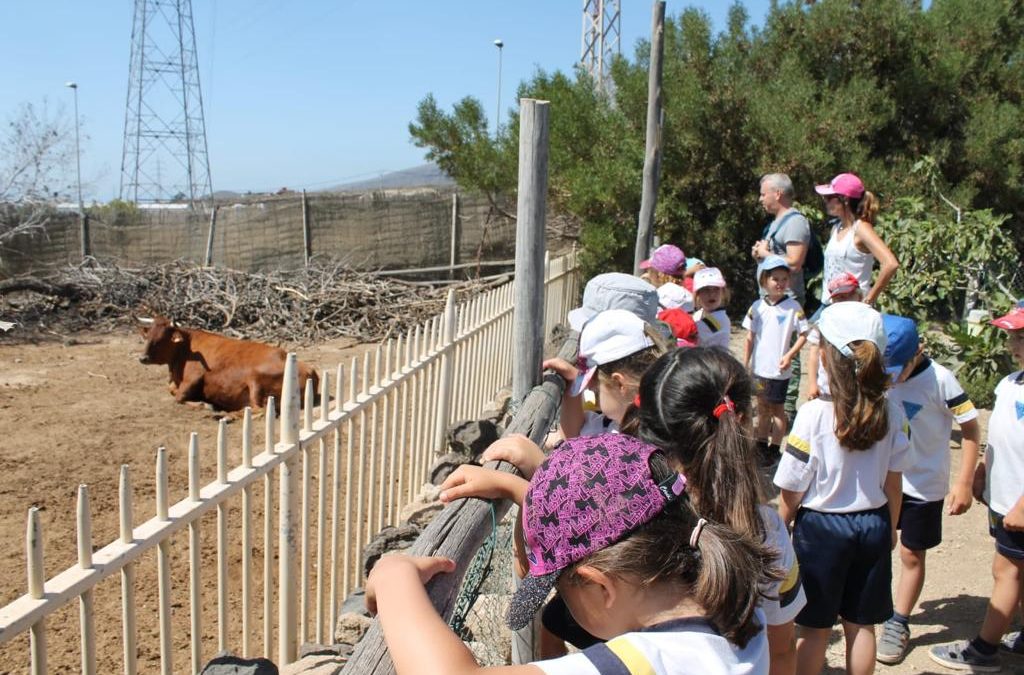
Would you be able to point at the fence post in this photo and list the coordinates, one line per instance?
(528, 312)
(208, 259)
(307, 244)
(288, 510)
(36, 582)
(454, 255)
(652, 157)
(447, 368)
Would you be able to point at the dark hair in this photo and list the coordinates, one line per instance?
(678, 396)
(724, 573)
(637, 363)
(762, 278)
(858, 385)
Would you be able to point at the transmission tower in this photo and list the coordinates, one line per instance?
(601, 32)
(164, 157)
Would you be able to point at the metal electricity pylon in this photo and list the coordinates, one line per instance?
(164, 156)
(601, 31)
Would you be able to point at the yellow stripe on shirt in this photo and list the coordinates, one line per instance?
(798, 443)
(962, 408)
(631, 656)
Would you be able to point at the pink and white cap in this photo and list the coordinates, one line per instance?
(845, 184)
(843, 282)
(708, 277)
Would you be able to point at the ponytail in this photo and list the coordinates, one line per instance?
(866, 208)
(678, 396)
(858, 384)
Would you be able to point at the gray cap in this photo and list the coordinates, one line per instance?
(615, 290)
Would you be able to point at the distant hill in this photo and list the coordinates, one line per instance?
(426, 175)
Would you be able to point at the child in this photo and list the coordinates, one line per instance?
(842, 288)
(695, 405)
(1001, 476)
(667, 265)
(682, 325)
(608, 523)
(931, 399)
(713, 324)
(616, 347)
(841, 484)
(771, 323)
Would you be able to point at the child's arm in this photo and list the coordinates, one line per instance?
(570, 419)
(787, 358)
(960, 493)
(893, 488)
(470, 480)
(748, 349)
(517, 450)
(1014, 519)
(789, 504)
(419, 641)
(812, 373)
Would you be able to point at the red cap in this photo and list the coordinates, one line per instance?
(1012, 320)
(842, 283)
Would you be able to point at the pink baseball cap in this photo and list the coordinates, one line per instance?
(667, 259)
(845, 184)
(1012, 320)
(842, 283)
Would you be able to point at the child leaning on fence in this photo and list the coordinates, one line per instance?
(999, 483)
(931, 400)
(607, 523)
(841, 484)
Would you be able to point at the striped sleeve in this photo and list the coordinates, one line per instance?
(619, 657)
(798, 448)
(957, 400)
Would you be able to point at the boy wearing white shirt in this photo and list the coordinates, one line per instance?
(771, 323)
(1001, 479)
(931, 399)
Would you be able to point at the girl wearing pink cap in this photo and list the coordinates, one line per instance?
(854, 245)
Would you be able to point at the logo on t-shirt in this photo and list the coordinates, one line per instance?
(782, 319)
(1020, 409)
(912, 409)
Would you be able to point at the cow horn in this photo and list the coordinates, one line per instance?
(144, 320)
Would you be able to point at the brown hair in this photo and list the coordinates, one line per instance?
(678, 396)
(724, 573)
(637, 363)
(866, 208)
(858, 385)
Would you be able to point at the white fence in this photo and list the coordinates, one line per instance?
(368, 452)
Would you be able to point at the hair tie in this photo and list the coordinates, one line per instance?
(725, 406)
(636, 400)
(695, 532)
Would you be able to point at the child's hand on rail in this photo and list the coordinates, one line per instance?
(517, 450)
(470, 480)
(390, 567)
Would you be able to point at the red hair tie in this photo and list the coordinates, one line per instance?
(636, 400)
(725, 406)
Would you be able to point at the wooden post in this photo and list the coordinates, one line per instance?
(528, 317)
(288, 512)
(83, 219)
(307, 243)
(453, 257)
(652, 156)
(528, 312)
(208, 260)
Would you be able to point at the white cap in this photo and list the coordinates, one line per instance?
(845, 322)
(611, 335)
(674, 296)
(709, 276)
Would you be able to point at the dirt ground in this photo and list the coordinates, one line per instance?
(73, 411)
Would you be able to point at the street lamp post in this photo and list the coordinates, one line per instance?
(497, 118)
(83, 221)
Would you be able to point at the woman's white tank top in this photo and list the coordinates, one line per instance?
(844, 256)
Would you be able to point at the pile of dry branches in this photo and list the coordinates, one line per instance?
(301, 306)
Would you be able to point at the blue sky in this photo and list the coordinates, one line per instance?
(300, 94)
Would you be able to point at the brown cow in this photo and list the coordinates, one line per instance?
(228, 374)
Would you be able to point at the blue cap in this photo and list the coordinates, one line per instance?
(902, 342)
(772, 262)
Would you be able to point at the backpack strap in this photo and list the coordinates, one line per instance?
(771, 235)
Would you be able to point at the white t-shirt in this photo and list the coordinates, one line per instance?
(787, 595)
(595, 424)
(713, 329)
(773, 327)
(1004, 454)
(691, 647)
(832, 478)
(930, 400)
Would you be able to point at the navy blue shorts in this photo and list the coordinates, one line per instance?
(845, 565)
(773, 391)
(1009, 544)
(920, 523)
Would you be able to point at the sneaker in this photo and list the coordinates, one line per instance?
(892, 645)
(962, 656)
(1013, 643)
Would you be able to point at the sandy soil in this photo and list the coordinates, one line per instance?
(72, 412)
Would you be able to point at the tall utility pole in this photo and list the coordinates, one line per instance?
(164, 157)
(601, 33)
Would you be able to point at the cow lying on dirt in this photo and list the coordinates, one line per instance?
(228, 374)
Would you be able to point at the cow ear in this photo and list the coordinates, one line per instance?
(177, 336)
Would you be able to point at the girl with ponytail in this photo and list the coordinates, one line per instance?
(695, 405)
(841, 487)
